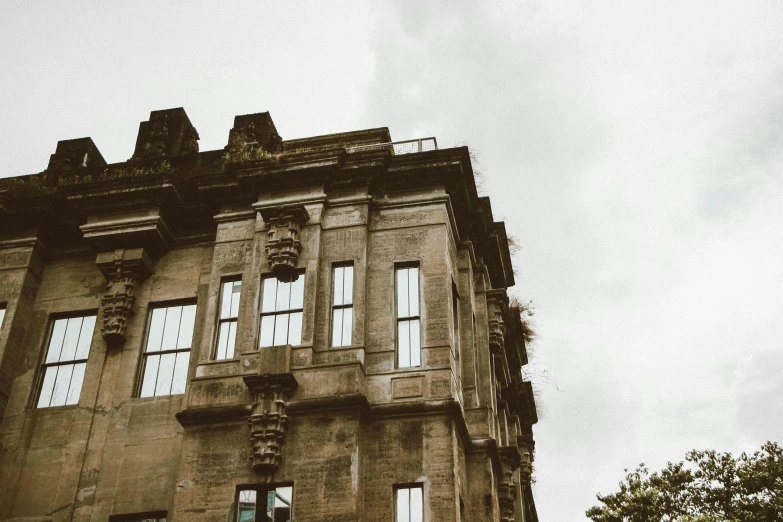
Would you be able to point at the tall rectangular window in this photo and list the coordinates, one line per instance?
(66, 360)
(167, 353)
(408, 320)
(409, 503)
(342, 305)
(2, 314)
(227, 319)
(265, 504)
(282, 303)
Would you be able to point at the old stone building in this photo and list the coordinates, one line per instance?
(313, 330)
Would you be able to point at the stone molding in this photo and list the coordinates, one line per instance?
(510, 461)
(124, 270)
(283, 246)
(268, 422)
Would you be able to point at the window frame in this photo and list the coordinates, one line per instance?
(399, 266)
(144, 355)
(220, 321)
(44, 352)
(408, 486)
(137, 517)
(261, 491)
(335, 307)
(290, 311)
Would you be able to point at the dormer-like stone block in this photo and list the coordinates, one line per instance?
(254, 131)
(283, 246)
(72, 155)
(167, 134)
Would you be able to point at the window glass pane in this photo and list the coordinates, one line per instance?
(270, 505)
(337, 327)
(180, 373)
(295, 329)
(413, 291)
(402, 292)
(61, 384)
(48, 386)
(403, 344)
(150, 376)
(186, 324)
(283, 296)
(267, 331)
(165, 374)
(171, 330)
(85, 337)
(225, 300)
(76, 384)
(2, 316)
(415, 343)
(72, 332)
(156, 330)
(222, 342)
(338, 285)
(297, 292)
(348, 285)
(347, 326)
(282, 505)
(246, 509)
(269, 295)
(236, 290)
(232, 337)
(281, 329)
(56, 343)
(403, 505)
(417, 508)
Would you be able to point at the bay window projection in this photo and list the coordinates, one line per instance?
(265, 504)
(227, 319)
(167, 353)
(408, 320)
(66, 360)
(342, 305)
(281, 311)
(409, 504)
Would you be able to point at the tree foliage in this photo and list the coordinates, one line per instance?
(707, 487)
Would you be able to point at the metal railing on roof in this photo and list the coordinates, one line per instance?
(399, 147)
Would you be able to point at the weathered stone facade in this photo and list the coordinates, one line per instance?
(343, 426)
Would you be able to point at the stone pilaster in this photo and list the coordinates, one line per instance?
(124, 270)
(283, 246)
(268, 421)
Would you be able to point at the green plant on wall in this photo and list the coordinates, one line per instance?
(117, 173)
(28, 186)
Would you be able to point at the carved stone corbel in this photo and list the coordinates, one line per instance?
(268, 421)
(124, 270)
(497, 327)
(507, 489)
(283, 246)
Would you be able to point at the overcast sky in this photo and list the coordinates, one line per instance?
(635, 149)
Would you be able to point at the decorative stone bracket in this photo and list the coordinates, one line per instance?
(284, 224)
(510, 461)
(124, 270)
(268, 421)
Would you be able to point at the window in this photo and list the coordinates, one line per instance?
(408, 321)
(2, 315)
(227, 319)
(408, 503)
(167, 354)
(265, 504)
(66, 359)
(342, 305)
(281, 311)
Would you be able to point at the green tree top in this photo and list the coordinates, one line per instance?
(707, 487)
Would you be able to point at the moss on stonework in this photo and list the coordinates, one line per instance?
(28, 186)
(123, 172)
